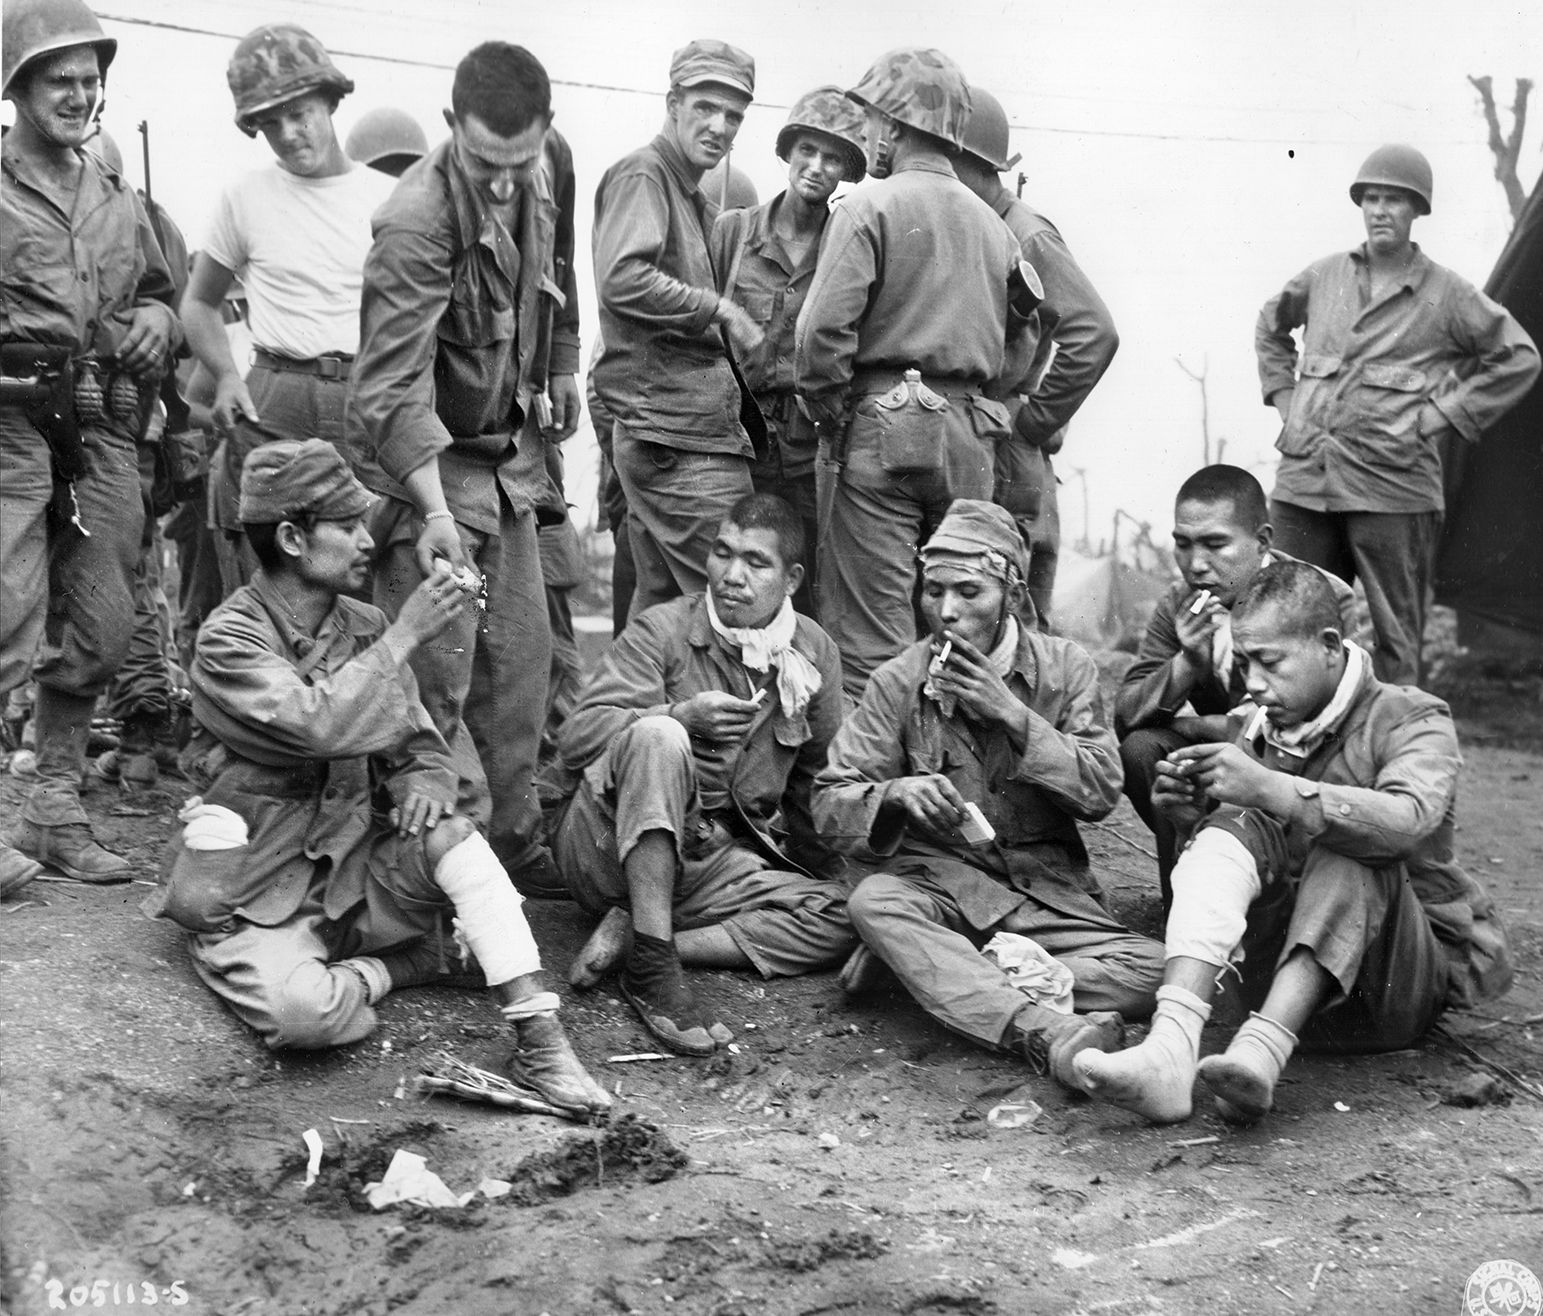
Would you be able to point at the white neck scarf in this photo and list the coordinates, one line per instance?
(1001, 660)
(798, 679)
(1301, 741)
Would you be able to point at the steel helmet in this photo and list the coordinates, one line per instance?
(1396, 165)
(385, 132)
(919, 87)
(275, 63)
(985, 135)
(827, 110)
(738, 193)
(34, 28)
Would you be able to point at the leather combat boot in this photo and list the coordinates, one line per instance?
(71, 849)
(1050, 1041)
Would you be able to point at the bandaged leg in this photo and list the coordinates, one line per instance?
(1214, 883)
(488, 913)
(1243, 1080)
(1156, 1080)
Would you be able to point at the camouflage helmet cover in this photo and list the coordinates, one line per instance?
(35, 28)
(920, 87)
(275, 63)
(828, 110)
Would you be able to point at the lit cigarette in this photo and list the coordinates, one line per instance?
(942, 658)
(1199, 605)
(758, 695)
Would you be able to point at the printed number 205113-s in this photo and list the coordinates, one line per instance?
(114, 1293)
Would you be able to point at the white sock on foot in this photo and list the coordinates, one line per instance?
(1156, 1079)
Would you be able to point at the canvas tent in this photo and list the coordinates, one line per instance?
(1490, 567)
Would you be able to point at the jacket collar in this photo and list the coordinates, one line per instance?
(1414, 276)
(686, 177)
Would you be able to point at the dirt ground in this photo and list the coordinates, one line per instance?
(842, 1161)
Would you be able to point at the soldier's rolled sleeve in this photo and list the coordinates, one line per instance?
(405, 294)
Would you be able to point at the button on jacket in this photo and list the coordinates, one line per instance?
(669, 654)
(462, 321)
(764, 277)
(1070, 768)
(293, 730)
(75, 280)
(664, 372)
(1387, 795)
(1352, 441)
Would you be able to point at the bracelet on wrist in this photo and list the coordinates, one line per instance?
(444, 512)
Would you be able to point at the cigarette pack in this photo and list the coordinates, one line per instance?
(975, 829)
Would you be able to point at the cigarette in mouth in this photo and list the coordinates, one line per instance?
(1198, 606)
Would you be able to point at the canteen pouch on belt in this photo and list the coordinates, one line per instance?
(911, 437)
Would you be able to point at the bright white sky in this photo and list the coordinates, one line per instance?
(1195, 153)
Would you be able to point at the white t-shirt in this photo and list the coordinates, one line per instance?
(298, 244)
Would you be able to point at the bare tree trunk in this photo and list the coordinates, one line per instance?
(1506, 150)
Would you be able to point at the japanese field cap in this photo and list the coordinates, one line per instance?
(977, 536)
(705, 61)
(283, 480)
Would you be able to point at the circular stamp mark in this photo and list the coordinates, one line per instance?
(1503, 1288)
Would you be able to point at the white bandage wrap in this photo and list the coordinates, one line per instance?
(540, 1003)
(1214, 883)
(487, 911)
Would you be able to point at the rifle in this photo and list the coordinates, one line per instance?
(182, 457)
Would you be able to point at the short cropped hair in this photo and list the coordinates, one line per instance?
(503, 85)
(1232, 485)
(761, 511)
(1300, 593)
(263, 537)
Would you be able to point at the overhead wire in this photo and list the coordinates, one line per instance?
(616, 89)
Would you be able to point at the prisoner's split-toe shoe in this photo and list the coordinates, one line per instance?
(655, 986)
(544, 1061)
(71, 849)
(607, 946)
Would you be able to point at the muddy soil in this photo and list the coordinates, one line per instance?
(841, 1161)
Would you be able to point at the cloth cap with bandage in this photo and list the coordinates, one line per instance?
(977, 536)
(294, 477)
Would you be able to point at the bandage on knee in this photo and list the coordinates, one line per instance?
(1214, 882)
(488, 910)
